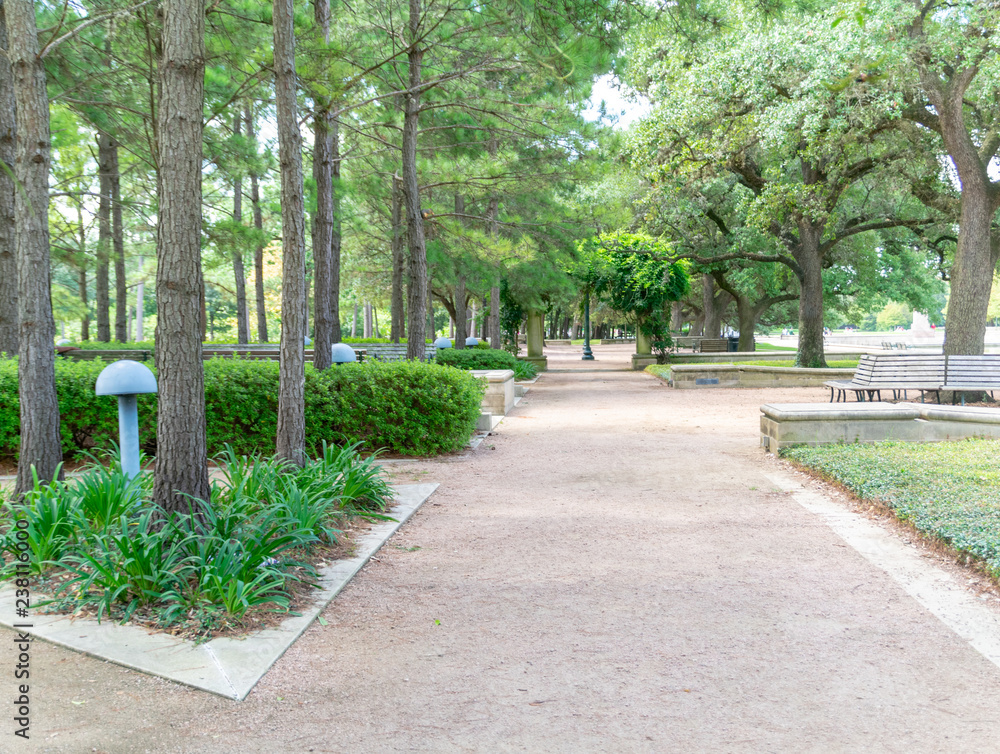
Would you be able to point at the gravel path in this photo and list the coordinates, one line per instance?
(609, 572)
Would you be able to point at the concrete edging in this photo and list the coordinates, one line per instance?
(790, 424)
(226, 667)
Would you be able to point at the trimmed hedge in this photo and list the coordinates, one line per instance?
(476, 358)
(410, 408)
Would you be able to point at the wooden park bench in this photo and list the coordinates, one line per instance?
(87, 354)
(713, 345)
(898, 373)
(972, 373)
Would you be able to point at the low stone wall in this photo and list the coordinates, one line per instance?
(499, 397)
(788, 424)
(697, 376)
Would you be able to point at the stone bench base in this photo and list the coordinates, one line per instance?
(499, 398)
(788, 424)
(696, 376)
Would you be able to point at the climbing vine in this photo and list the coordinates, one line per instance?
(634, 275)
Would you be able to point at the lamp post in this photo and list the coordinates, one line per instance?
(588, 355)
(126, 380)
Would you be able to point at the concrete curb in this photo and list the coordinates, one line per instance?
(227, 667)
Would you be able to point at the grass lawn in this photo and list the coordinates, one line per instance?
(772, 347)
(949, 491)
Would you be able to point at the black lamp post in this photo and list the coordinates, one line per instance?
(588, 355)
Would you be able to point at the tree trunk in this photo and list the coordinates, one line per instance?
(354, 321)
(104, 236)
(118, 246)
(291, 437)
(494, 320)
(81, 278)
(971, 274)
(397, 325)
(181, 459)
(713, 305)
(335, 241)
(418, 287)
(239, 273)
(461, 316)
(41, 448)
(368, 334)
(322, 239)
(85, 319)
(258, 254)
(810, 274)
(8, 256)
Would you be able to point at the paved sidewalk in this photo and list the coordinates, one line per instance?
(611, 572)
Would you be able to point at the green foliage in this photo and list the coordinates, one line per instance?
(525, 370)
(948, 490)
(475, 358)
(894, 315)
(116, 553)
(411, 408)
(633, 274)
(512, 314)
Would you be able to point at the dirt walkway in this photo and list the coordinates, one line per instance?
(609, 572)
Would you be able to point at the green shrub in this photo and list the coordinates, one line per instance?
(476, 358)
(411, 408)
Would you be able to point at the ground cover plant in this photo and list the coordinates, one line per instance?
(408, 408)
(949, 491)
(99, 547)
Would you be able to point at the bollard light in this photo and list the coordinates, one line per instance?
(341, 353)
(442, 343)
(126, 380)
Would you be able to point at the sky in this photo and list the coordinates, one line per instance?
(623, 108)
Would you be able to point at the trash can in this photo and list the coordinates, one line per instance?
(734, 343)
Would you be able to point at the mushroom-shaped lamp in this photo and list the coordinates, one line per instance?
(471, 341)
(127, 379)
(441, 343)
(341, 353)
(308, 341)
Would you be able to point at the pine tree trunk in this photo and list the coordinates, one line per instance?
(239, 273)
(810, 274)
(322, 237)
(118, 248)
(181, 459)
(418, 293)
(461, 319)
(8, 256)
(335, 242)
(397, 326)
(291, 435)
(85, 319)
(494, 320)
(368, 321)
(258, 254)
(81, 277)
(40, 442)
(104, 242)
